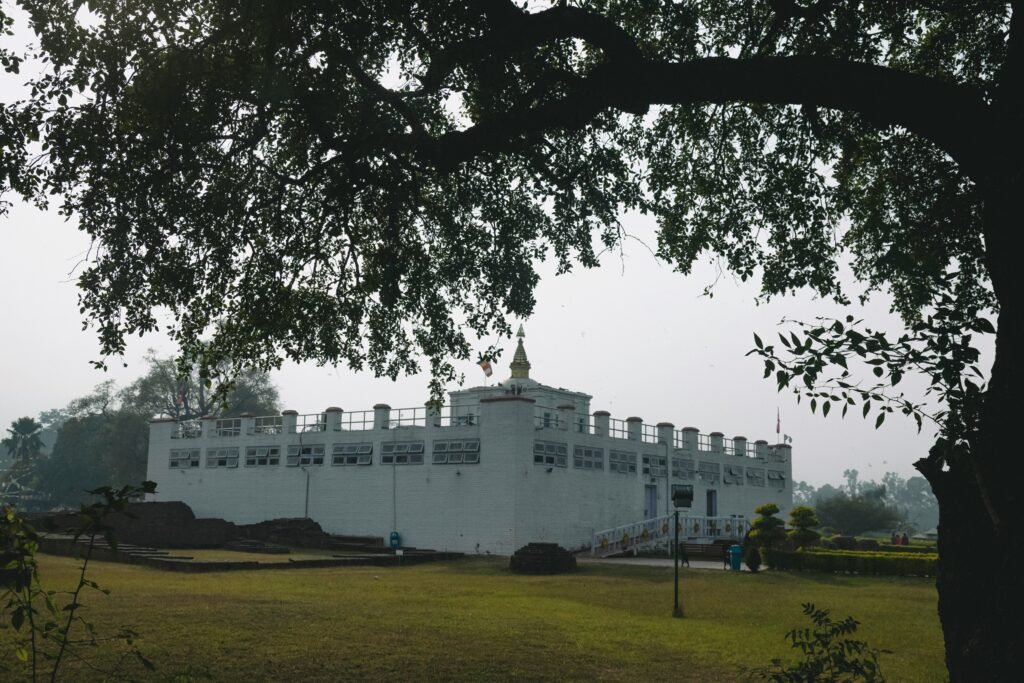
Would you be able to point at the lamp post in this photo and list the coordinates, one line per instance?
(682, 496)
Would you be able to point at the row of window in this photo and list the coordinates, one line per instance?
(460, 452)
(467, 451)
(623, 462)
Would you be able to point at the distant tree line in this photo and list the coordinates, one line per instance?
(857, 505)
(102, 439)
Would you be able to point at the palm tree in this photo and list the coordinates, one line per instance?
(23, 443)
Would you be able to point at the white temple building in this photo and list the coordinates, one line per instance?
(499, 467)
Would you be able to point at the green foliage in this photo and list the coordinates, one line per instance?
(844, 542)
(46, 628)
(378, 181)
(912, 497)
(803, 522)
(103, 437)
(829, 654)
(22, 441)
(93, 450)
(941, 345)
(855, 515)
(918, 549)
(767, 530)
(184, 394)
(853, 562)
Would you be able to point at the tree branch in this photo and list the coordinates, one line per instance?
(515, 31)
(956, 118)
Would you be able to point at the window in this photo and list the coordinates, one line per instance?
(550, 453)
(221, 457)
(584, 458)
(709, 471)
(656, 465)
(622, 462)
(462, 452)
(262, 456)
(733, 475)
(352, 454)
(229, 427)
(305, 455)
(184, 458)
(267, 425)
(755, 476)
(683, 468)
(402, 453)
(712, 504)
(777, 478)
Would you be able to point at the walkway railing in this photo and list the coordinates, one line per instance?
(659, 530)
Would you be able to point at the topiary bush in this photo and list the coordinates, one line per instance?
(767, 531)
(752, 558)
(804, 521)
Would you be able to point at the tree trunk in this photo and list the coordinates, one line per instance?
(981, 518)
(977, 584)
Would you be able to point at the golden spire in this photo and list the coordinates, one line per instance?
(520, 365)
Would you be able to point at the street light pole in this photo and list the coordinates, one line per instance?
(677, 610)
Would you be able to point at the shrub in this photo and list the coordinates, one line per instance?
(890, 548)
(767, 530)
(803, 520)
(829, 653)
(752, 558)
(856, 562)
(844, 542)
(867, 544)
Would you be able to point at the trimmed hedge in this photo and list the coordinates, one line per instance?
(852, 562)
(890, 548)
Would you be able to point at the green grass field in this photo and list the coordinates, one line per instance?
(471, 620)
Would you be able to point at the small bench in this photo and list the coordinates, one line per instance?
(706, 551)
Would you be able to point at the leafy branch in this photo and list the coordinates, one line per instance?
(829, 653)
(816, 365)
(49, 633)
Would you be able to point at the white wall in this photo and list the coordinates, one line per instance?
(495, 506)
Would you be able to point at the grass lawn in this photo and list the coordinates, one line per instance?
(471, 620)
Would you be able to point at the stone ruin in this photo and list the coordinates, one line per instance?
(173, 525)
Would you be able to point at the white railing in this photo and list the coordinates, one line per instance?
(618, 429)
(629, 537)
(703, 443)
(648, 433)
(546, 418)
(411, 417)
(355, 421)
(316, 422)
(188, 429)
(270, 424)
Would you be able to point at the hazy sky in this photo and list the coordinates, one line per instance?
(638, 337)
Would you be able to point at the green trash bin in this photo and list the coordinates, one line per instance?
(735, 556)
